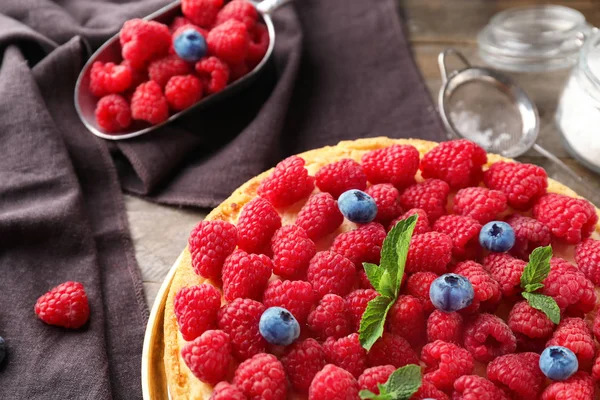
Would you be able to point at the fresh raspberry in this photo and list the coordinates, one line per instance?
(65, 305)
(587, 256)
(523, 184)
(340, 176)
(431, 251)
(226, 391)
(201, 12)
(518, 374)
(113, 113)
(596, 369)
(428, 391)
(331, 318)
(387, 198)
(245, 275)
(239, 319)
(239, 10)
(444, 363)
(527, 344)
(430, 196)
(183, 91)
(261, 377)
(575, 335)
(182, 28)
(362, 244)
(418, 285)
(148, 104)
(487, 337)
(464, 232)
(406, 318)
(288, 183)
(445, 326)
(487, 290)
(138, 76)
(374, 376)
(458, 162)
(357, 304)
(163, 69)
(295, 296)
(569, 287)
(505, 270)
(347, 353)
(392, 349)
(208, 356)
(256, 225)
(329, 272)
(229, 41)
(320, 216)
(422, 225)
(143, 41)
(259, 44)
(481, 204)
(178, 22)
(302, 363)
(109, 78)
(529, 235)
(333, 383)
(569, 219)
(210, 243)
(473, 387)
(292, 251)
(396, 164)
(196, 309)
(596, 326)
(530, 322)
(214, 74)
(580, 386)
(363, 280)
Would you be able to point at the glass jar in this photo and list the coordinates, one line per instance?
(578, 113)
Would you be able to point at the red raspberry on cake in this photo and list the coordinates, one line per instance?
(208, 356)
(457, 162)
(210, 243)
(143, 41)
(473, 387)
(445, 326)
(329, 272)
(464, 232)
(227, 391)
(261, 377)
(229, 41)
(487, 290)
(529, 235)
(570, 288)
(302, 362)
(444, 363)
(523, 184)
(347, 353)
(331, 318)
(430, 196)
(163, 69)
(109, 78)
(340, 176)
(575, 335)
(569, 219)
(148, 104)
(357, 304)
(333, 383)
(587, 256)
(362, 244)
(214, 74)
(245, 275)
(396, 164)
(418, 285)
(422, 225)
(431, 251)
(65, 305)
(295, 296)
(256, 226)
(259, 44)
(196, 309)
(288, 183)
(580, 386)
(374, 376)
(387, 198)
(239, 10)
(505, 270)
(391, 349)
(319, 216)
(529, 321)
(487, 337)
(518, 374)
(183, 92)
(428, 391)
(481, 204)
(406, 318)
(239, 319)
(292, 251)
(113, 113)
(201, 12)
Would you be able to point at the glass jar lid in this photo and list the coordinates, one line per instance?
(535, 38)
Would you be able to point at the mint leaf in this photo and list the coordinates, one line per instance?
(538, 267)
(544, 303)
(391, 258)
(401, 385)
(367, 394)
(532, 287)
(373, 320)
(406, 227)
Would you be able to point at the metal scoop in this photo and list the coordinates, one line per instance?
(85, 101)
(474, 103)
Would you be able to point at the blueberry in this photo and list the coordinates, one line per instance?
(2, 349)
(451, 292)
(278, 326)
(497, 236)
(190, 45)
(357, 206)
(558, 363)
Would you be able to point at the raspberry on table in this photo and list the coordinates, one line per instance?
(391, 349)
(113, 113)
(295, 296)
(580, 386)
(229, 41)
(445, 326)
(302, 362)
(319, 216)
(474, 387)
(487, 337)
(444, 363)
(288, 183)
(65, 305)
(331, 317)
(523, 184)
(259, 44)
(464, 232)
(387, 198)
(429, 252)
(292, 251)
(481, 204)
(329, 272)
(406, 318)
(239, 319)
(422, 225)
(210, 243)
(208, 356)
(357, 303)
(340, 176)
(227, 391)
(183, 92)
(362, 244)
(163, 69)
(261, 377)
(257, 223)
(109, 78)
(505, 270)
(575, 335)
(148, 104)
(428, 391)
(214, 74)
(196, 309)
(487, 290)
(201, 12)
(587, 257)
(519, 374)
(396, 164)
(333, 383)
(529, 235)
(569, 219)
(245, 275)
(374, 376)
(569, 287)
(346, 353)
(239, 10)
(143, 41)
(457, 162)
(430, 196)
(418, 285)
(529, 321)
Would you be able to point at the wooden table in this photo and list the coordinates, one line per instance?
(160, 233)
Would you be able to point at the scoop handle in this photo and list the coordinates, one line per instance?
(268, 6)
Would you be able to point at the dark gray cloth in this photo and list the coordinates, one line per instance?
(341, 70)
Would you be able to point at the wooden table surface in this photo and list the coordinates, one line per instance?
(160, 233)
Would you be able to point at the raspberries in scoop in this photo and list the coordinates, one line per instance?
(430, 196)
(288, 183)
(109, 78)
(523, 184)
(261, 377)
(143, 41)
(337, 177)
(406, 318)
(259, 44)
(529, 321)
(302, 362)
(481, 204)
(239, 319)
(331, 318)
(65, 305)
(229, 41)
(392, 349)
(387, 199)
(148, 103)
(487, 290)
(295, 296)
(210, 243)
(320, 216)
(422, 225)
(418, 285)
(163, 69)
(347, 353)
(329, 272)
(445, 362)
(488, 337)
(196, 309)
(292, 251)
(505, 270)
(428, 391)
(519, 374)
(529, 235)
(569, 287)
(226, 391)
(208, 356)
(362, 244)
(464, 232)
(374, 376)
(575, 335)
(214, 73)
(445, 326)
(580, 386)
(256, 225)
(333, 383)
(183, 91)
(457, 162)
(474, 387)
(569, 219)
(245, 275)
(239, 10)
(357, 304)
(201, 12)
(587, 256)
(113, 113)
(429, 251)
(396, 164)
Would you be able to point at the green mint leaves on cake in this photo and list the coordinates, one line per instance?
(535, 272)
(401, 385)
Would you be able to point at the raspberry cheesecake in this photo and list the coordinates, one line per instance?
(494, 296)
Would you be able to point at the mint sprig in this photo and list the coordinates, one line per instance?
(401, 385)
(536, 270)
